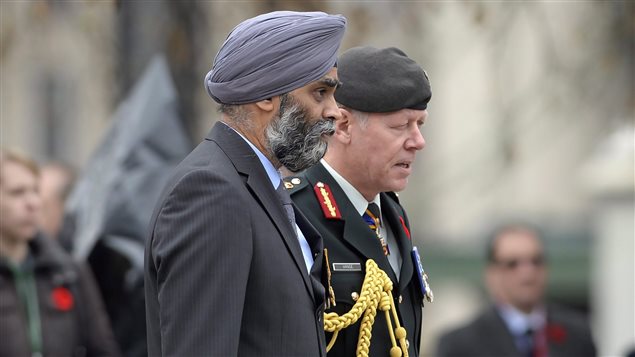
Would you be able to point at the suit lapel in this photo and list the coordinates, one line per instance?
(495, 326)
(391, 214)
(247, 163)
(356, 232)
(314, 239)
(311, 235)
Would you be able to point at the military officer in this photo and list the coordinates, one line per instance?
(349, 195)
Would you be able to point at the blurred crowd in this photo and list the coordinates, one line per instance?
(52, 305)
(57, 302)
(71, 238)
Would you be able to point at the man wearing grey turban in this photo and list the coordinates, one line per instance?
(232, 269)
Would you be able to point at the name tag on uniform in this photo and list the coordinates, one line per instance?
(347, 267)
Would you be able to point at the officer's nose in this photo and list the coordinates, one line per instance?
(415, 140)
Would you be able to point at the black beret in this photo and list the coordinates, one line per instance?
(381, 80)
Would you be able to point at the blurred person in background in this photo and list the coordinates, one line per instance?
(520, 323)
(231, 269)
(349, 196)
(49, 305)
(56, 182)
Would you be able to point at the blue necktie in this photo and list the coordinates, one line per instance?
(526, 343)
(372, 218)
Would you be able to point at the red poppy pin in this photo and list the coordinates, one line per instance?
(62, 298)
(405, 229)
(556, 333)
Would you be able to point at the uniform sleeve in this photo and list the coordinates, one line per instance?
(100, 340)
(201, 250)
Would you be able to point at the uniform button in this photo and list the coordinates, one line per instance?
(400, 298)
(407, 344)
(354, 296)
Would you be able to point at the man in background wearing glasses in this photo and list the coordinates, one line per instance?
(519, 323)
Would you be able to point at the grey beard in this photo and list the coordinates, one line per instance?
(295, 142)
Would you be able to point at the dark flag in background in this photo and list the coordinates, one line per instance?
(110, 207)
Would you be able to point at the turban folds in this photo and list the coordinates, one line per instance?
(381, 81)
(273, 54)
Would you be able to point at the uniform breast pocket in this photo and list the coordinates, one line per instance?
(347, 286)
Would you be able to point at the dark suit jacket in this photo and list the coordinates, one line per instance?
(224, 272)
(488, 336)
(349, 240)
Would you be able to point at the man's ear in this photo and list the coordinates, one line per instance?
(269, 104)
(343, 126)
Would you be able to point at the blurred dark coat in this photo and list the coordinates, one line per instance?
(487, 335)
(349, 240)
(224, 272)
(82, 329)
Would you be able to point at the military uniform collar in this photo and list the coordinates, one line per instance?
(356, 198)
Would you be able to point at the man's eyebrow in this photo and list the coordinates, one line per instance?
(331, 82)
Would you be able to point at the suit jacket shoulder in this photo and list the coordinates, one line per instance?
(485, 335)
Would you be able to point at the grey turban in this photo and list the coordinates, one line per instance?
(381, 81)
(273, 54)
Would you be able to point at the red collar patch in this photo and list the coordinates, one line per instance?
(327, 202)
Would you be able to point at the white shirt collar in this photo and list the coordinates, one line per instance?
(356, 198)
(519, 322)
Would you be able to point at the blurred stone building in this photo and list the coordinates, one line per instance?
(524, 94)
